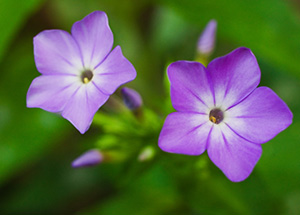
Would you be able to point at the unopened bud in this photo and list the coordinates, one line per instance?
(131, 98)
(146, 154)
(206, 42)
(89, 158)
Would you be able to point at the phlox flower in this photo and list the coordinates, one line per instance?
(221, 110)
(79, 72)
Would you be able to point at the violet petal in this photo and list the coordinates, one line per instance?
(94, 37)
(82, 106)
(190, 87)
(235, 156)
(260, 117)
(56, 52)
(113, 72)
(184, 133)
(234, 76)
(51, 92)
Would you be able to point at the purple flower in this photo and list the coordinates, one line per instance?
(89, 158)
(79, 72)
(206, 42)
(221, 110)
(132, 99)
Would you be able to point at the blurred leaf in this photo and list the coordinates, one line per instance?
(279, 164)
(13, 13)
(270, 28)
(55, 188)
(25, 134)
(126, 125)
(169, 29)
(151, 193)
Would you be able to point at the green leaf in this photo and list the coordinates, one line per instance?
(13, 14)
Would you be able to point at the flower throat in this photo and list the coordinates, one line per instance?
(216, 116)
(86, 76)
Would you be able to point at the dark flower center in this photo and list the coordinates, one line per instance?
(216, 116)
(86, 76)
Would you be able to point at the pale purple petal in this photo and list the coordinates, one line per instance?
(234, 76)
(51, 92)
(94, 37)
(235, 156)
(260, 117)
(89, 158)
(56, 52)
(131, 98)
(206, 42)
(83, 105)
(185, 133)
(113, 72)
(190, 87)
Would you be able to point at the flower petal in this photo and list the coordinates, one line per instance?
(190, 87)
(113, 72)
(51, 92)
(235, 156)
(83, 105)
(260, 117)
(234, 76)
(56, 52)
(94, 37)
(185, 133)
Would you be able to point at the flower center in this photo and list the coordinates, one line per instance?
(86, 76)
(216, 116)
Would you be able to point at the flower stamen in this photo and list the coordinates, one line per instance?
(212, 119)
(216, 116)
(86, 76)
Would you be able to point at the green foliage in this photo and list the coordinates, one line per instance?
(270, 28)
(13, 14)
(25, 134)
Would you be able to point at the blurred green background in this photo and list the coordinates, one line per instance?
(37, 147)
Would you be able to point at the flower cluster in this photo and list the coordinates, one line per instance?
(219, 108)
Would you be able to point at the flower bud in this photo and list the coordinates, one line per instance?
(89, 158)
(206, 42)
(147, 153)
(131, 98)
